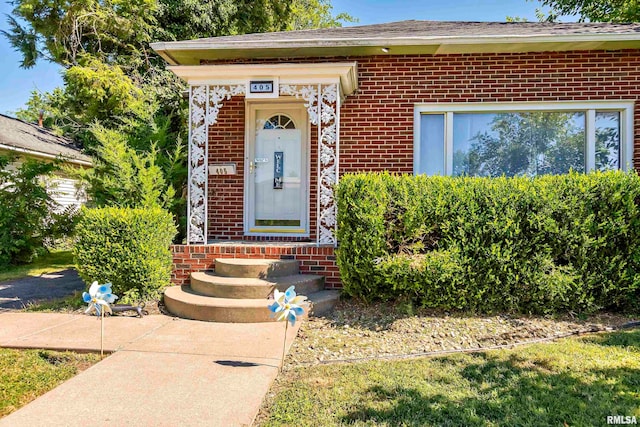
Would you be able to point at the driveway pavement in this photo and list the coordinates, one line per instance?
(17, 294)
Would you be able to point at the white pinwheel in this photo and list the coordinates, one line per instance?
(286, 305)
(99, 298)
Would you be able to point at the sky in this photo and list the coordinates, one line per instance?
(16, 83)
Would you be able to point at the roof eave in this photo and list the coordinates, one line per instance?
(343, 72)
(194, 51)
(35, 153)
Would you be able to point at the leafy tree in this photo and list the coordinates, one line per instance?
(315, 14)
(593, 10)
(525, 144)
(142, 169)
(115, 83)
(124, 177)
(63, 31)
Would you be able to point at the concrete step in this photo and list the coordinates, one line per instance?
(183, 302)
(323, 302)
(256, 268)
(211, 284)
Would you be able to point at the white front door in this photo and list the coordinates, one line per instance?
(277, 178)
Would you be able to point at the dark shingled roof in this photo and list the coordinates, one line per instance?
(426, 29)
(21, 135)
(406, 38)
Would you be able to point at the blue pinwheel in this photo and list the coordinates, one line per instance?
(99, 298)
(287, 305)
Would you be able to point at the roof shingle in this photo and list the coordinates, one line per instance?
(420, 29)
(26, 136)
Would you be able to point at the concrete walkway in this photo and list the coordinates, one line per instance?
(164, 372)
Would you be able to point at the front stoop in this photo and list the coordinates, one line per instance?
(237, 291)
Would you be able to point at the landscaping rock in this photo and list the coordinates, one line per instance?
(356, 330)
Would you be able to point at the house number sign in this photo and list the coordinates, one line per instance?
(261, 86)
(278, 166)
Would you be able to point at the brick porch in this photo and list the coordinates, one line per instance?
(313, 259)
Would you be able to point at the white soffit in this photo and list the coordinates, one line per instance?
(195, 51)
(296, 73)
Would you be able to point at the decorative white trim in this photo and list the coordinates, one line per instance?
(288, 74)
(204, 105)
(328, 165)
(308, 93)
(625, 107)
(339, 100)
(322, 102)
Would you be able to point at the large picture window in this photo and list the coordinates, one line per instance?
(522, 139)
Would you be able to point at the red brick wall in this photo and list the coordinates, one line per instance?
(313, 259)
(226, 144)
(377, 122)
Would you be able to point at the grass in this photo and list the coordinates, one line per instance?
(572, 382)
(27, 374)
(48, 263)
(67, 304)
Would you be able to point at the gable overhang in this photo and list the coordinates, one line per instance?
(193, 52)
(42, 155)
(287, 73)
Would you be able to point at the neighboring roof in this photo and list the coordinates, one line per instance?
(406, 37)
(22, 137)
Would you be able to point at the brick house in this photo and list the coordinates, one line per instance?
(276, 118)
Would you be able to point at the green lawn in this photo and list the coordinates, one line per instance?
(27, 374)
(573, 382)
(66, 304)
(48, 263)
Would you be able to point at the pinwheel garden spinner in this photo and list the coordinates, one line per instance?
(99, 299)
(287, 307)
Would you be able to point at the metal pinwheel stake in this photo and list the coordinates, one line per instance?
(99, 299)
(286, 306)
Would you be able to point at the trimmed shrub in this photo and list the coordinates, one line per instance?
(127, 247)
(539, 245)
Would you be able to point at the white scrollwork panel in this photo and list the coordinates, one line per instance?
(204, 105)
(328, 164)
(309, 94)
(321, 102)
(196, 209)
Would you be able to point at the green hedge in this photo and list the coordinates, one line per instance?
(127, 247)
(552, 243)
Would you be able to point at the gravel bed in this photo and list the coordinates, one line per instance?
(355, 330)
